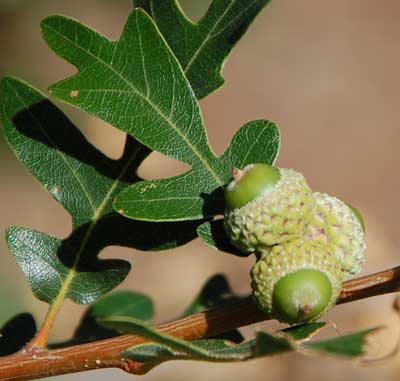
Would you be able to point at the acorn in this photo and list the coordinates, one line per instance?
(265, 206)
(296, 282)
(340, 225)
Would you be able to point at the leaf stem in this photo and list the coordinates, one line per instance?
(107, 353)
(39, 342)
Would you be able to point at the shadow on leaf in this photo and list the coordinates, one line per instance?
(57, 132)
(85, 182)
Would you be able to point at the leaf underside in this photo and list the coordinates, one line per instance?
(127, 303)
(164, 347)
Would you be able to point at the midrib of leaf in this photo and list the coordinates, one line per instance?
(207, 38)
(203, 160)
(65, 285)
(142, 59)
(59, 153)
(210, 33)
(96, 215)
(238, 16)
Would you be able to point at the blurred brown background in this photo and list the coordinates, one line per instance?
(326, 73)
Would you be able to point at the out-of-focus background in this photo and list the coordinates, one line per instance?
(327, 73)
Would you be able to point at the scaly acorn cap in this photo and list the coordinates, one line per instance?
(342, 226)
(266, 206)
(297, 281)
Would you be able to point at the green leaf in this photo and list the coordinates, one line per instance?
(217, 350)
(351, 345)
(190, 196)
(256, 142)
(164, 347)
(84, 181)
(152, 353)
(130, 325)
(45, 261)
(269, 345)
(167, 347)
(304, 331)
(203, 47)
(194, 194)
(120, 82)
(127, 303)
(226, 350)
(16, 333)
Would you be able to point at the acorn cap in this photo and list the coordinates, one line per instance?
(341, 226)
(296, 282)
(278, 210)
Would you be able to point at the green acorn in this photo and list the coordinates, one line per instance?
(266, 206)
(297, 281)
(340, 225)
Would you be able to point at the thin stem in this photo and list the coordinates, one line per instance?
(107, 353)
(39, 342)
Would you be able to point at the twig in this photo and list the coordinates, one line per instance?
(106, 353)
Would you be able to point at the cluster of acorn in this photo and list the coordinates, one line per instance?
(306, 243)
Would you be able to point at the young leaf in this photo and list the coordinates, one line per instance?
(269, 345)
(84, 181)
(127, 303)
(134, 326)
(169, 346)
(304, 331)
(217, 350)
(152, 353)
(16, 333)
(164, 347)
(351, 345)
(203, 47)
(258, 141)
(120, 82)
(227, 350)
